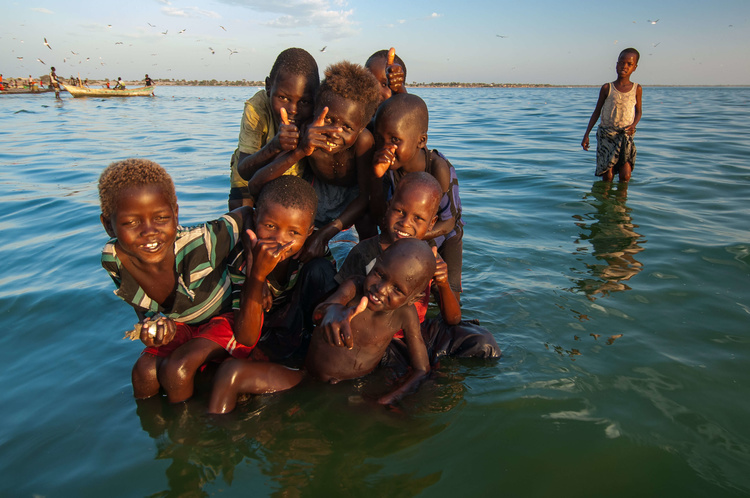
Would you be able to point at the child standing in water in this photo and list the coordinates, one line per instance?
(619, 106)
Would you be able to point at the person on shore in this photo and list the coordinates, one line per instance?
(272, 120)
(619, 106)
(177, 279)
(400, 148)
(376, 307)
(148, 81)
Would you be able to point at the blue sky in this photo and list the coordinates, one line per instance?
(493, 41)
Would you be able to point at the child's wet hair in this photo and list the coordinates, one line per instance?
(383, 54)
(633, 51)
(352, 82)
(128, 173)
(422, 180)
(406, 105)
(295, 61)
(291, 192)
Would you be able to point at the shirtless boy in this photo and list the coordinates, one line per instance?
(350, 340)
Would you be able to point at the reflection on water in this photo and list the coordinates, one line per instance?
(610, 230)
(294, 441)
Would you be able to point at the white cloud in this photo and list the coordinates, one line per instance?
(325, 15)
(434, 15)
(189, 12)
(42, 10)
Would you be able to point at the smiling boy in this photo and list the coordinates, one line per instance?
(377, 306)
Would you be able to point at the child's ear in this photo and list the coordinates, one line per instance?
(432, 222)
(107, 224)
(422, 140)
(268, 86)
(311, 230)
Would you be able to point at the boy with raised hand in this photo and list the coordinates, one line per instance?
(412, 213)
(272, 120)
(177, 279)
(401, 148)
(376, 307)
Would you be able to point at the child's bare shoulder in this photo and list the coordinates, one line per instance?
(441, 170)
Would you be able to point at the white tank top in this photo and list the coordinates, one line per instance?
(618, 110)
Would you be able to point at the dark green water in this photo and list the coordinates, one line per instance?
(623, 314)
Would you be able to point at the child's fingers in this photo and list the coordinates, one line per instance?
(391, 56)
(284, 116)
(320, 119)
(252, 238)
(360, 307)
(281, 249)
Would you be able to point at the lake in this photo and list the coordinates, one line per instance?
(623, 312)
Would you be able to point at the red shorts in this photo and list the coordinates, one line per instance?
(218, 329)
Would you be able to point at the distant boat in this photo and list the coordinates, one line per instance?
(78, 91)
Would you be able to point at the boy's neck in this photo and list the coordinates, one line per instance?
(417, 163)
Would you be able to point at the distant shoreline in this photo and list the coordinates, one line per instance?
(245, 83)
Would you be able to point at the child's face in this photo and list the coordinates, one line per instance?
(377, 67)
(144, 223)
(293, 92)
(279, 224)
(410, 213)
(391, 283)
(626, 65)
(390, 128)
(349, 116)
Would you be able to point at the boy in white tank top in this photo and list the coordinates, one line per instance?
(619, 106)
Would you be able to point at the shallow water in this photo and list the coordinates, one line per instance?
(622, 312)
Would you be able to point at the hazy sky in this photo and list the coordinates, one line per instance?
(492, 41)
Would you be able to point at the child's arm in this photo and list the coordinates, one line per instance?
(603, 93)
(449, 307)
(420, 364)
(315, 136)
(333, 317)
(441, 172)
(262, 258)
(286, 139)
(382, 160)
(630, 130)
(318, 241)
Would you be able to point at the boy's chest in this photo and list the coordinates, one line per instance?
(337, 169)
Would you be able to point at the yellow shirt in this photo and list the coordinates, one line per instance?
(256, 129)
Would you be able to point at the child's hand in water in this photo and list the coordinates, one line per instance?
(157, 330)
(335, 325)
(288, 136)
(318, 134)
(384, 159)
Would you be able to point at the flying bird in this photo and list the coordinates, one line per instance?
(40, 60)
(150, 24)
(181, 31)
(501, 36)
(652, 22)
(212, 50)
(109, 25)
(165, 32)
(74, 53)
(118, 43)
(232, 52)
(222, 27)
(47, 44)
(324, 48)
(19, 58)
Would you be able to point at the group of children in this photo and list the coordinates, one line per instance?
(258, 290)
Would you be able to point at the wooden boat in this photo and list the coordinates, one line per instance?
(20, 91)
(78, 91)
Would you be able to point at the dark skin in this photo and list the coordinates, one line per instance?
(380, 306)
(145, 225)
(400, 145)
(626, 65)
(390, 75)
(291, 97)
